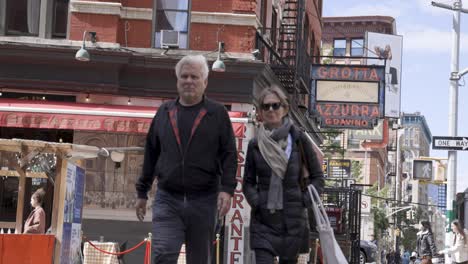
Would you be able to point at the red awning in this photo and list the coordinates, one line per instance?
(79, 116)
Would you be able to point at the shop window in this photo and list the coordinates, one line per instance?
(339, 47)
(8, 198)
(172, 15)
(357, 47)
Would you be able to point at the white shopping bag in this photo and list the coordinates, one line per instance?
(331, 251)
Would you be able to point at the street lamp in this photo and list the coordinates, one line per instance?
(218, 65)
(82, 54)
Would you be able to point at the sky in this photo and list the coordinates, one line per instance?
(427, 48)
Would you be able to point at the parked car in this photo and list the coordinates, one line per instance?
(368, 251)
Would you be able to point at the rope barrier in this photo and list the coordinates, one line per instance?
(146, 241)
(116, 253)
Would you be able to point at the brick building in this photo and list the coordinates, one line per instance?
(343, 42)
(264, 42)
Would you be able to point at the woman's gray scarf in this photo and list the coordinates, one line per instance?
(272, 145)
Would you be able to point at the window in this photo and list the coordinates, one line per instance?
(29, 18)
(306, 34)
(263, 13)
(8, 198)
(22, 17)
(312, 47)
(339, 47)
(59, 29)
(274, 27)
(357, 47)
(172, 15)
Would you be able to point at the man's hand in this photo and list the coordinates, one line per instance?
(224, 202)
(141, 209)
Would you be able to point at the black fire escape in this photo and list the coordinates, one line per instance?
(284, 48)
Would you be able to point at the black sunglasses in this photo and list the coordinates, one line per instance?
(267, 107)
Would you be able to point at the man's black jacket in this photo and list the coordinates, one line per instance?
(210, 153)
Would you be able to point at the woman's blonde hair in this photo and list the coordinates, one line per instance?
(276, 90)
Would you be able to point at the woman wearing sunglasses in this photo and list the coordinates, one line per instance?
(273, 172)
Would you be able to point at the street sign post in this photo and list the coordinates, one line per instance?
(450, 143)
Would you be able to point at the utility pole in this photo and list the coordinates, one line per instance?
(399, 133)
(453, 113)
(399, 130)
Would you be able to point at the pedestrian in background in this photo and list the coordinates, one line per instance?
(414, 258)
(35, 223)
(272, 176)
(406, 257)
(459, 250)
(425, 243)
(191, 149)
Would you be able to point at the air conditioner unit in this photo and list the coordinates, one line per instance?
(169, 39)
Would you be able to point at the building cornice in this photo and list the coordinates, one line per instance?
(225, 19)
(350, 19)
(108, 8)
(136, 13)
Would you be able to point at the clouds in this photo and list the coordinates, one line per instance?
(395, 8)
(426, 7)
(425, 28)
(420, 39)
(368, 9)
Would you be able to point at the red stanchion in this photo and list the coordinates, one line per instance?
(148, 253)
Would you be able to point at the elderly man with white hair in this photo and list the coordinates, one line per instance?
(190, 149)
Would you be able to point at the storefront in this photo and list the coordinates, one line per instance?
(107, 103)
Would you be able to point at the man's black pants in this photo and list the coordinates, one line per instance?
(178, 219)
(263, 256)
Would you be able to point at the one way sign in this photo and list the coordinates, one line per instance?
(450, 143)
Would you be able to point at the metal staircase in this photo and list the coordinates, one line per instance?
(284, 48)
(291, 48)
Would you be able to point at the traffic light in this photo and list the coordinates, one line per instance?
(422, 170)
(411, 214)
(397, 232)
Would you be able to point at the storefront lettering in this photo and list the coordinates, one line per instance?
(339, 110)
(342, 122)
(347, 73)
(54, 121)
(238, 212)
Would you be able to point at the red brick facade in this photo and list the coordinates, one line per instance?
(106, 26)
(236, 38)
(238, 35)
